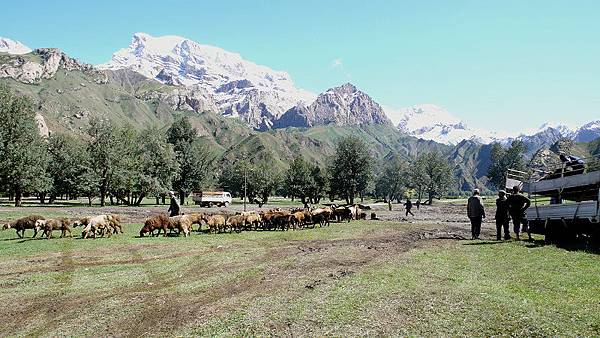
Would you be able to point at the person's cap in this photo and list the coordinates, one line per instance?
(475, 191)
(172, 193)
(502, 192)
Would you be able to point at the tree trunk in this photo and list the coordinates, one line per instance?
(140, 199)
(52, 198)
(181, 197)
(18, 197)
(42, 198)
(90, 200)
(157, 200)
(430, 198)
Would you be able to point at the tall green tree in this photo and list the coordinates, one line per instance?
(157, 164)
(22, 149)
(350, 170)
(194, 158)
(431, 175)
(260, 179)
(502, 159)
(393, 180)
(68, 164)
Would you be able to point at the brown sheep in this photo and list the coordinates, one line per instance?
(236, 222)
(160, 222)
(216, 223)
(21, 224)
(321, 216)
(253, 220)
(49, 225)
(342, 214)
(97, 225)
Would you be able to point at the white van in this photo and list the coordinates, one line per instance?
(212, 198)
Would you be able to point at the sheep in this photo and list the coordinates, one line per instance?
(21, 224)
(321, 216)
(342, 214)
(160, 222)
(182, 223)
(253, 220)
(215, 222)
(49, 225)
(236, 222)
(100, 223)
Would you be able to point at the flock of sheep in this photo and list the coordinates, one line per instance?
(275, 219)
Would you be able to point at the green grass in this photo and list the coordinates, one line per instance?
(361, 278)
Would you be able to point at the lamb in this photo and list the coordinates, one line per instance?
(21, 224)
(183, 223)
(49, 225)
(236, 222)
(160, 222)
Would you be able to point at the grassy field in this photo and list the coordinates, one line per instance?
(361, 278)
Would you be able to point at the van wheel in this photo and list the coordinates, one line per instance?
(226, 204)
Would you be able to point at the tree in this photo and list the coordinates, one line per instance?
(502, 159)
(157, 164)
(22, 149)
(261, 179)
(68, 165)
(194, 159)
(392, 181)
(431, 174)
(350, 170)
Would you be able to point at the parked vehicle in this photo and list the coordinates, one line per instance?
(212, 198)
(564, 206)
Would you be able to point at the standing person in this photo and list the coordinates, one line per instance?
(476, 213)
(418, 204)
(408, 206)
(517, 205)
(502, 216)
(174, 206)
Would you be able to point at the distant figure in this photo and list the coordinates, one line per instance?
(418, 204)
(174, 206)
(408, 206)
(476, 213)
(517, 205)
(576, 164)
(502, 216)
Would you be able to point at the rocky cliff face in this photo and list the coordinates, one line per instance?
(344, 105)
(43, 63)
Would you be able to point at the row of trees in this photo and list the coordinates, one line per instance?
(121, 165)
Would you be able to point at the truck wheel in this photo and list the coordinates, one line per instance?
(226, 204)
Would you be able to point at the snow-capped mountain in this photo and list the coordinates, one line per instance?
(343, 105)
(430, 122)
(255, 93)
(13, 47)
(587, 132)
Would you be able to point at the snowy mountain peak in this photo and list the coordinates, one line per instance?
(13, 47)
(431, 122)
(240, 87)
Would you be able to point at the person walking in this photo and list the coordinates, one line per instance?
(502, 216)
(174, 206)
(476, 213)
(517, 205)
(418, 204)
(408, 206)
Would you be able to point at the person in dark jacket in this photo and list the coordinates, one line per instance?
(418, 204)
(517, 205)
(476, 213)
(502, 216)
(174, 206)
(408, 206)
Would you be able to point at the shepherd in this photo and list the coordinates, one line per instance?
(174, 206)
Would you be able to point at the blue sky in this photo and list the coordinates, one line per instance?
(502, 65)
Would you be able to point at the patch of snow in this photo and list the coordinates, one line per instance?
(13, 47)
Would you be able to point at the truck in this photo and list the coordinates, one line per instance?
(565, 202)
(211, 198)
